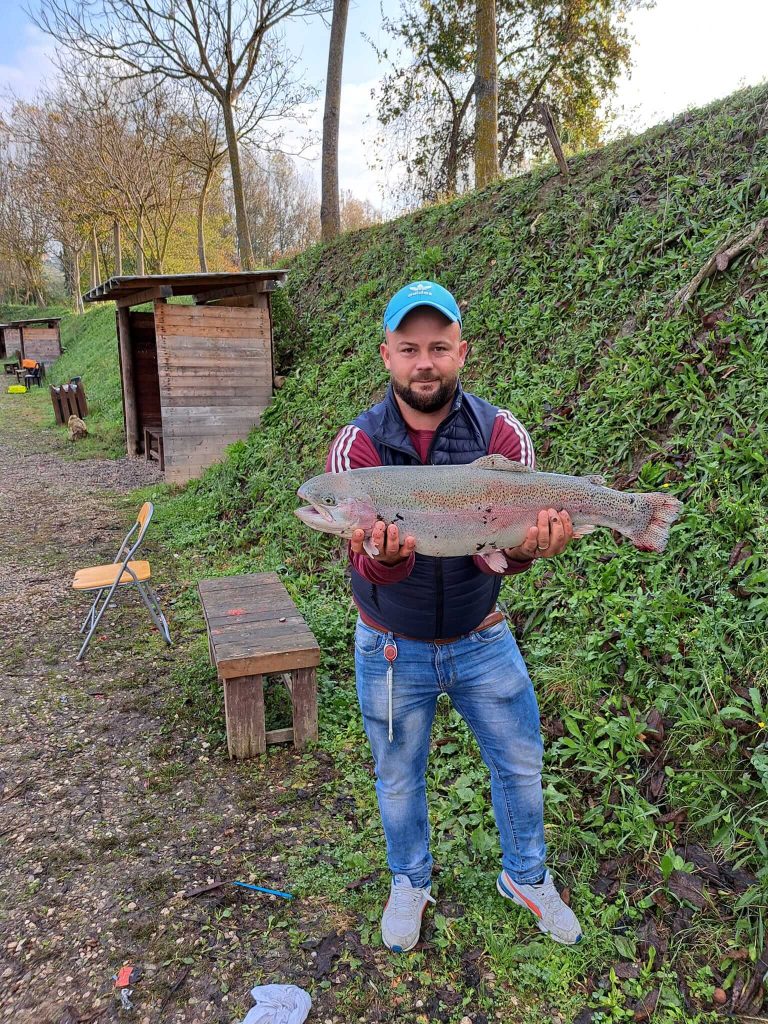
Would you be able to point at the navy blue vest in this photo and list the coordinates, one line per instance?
(442, 597)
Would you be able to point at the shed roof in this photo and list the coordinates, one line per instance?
(35, 320)
(135, 290)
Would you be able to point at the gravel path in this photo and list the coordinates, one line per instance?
(106, 814)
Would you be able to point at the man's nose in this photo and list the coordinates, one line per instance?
(425, 361)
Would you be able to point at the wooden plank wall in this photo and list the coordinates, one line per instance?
(215, 370)
(145, 376)
(42, 344)
(12, 341)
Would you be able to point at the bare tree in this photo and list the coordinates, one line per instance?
(330, 218)
(226, 47)
(24, 225)
(282, 206)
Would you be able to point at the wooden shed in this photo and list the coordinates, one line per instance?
(38, 339)
(197, 376)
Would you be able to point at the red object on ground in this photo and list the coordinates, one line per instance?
(124, 976)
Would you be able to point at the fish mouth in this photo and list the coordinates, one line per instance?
(314, 514)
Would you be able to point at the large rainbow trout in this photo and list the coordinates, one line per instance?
(480, 508)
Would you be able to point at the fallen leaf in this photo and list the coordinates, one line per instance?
(645, 1007)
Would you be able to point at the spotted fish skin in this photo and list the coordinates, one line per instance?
(479, 508)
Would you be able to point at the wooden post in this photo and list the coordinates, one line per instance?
(554, 138)
(129, 386)
(304, 701)
(244, 711)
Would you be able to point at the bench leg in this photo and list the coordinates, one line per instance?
(244, 709)
(304, 700)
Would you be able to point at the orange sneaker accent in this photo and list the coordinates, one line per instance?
(529, 903)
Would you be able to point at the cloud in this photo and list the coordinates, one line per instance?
(32, 64)
(358, 131)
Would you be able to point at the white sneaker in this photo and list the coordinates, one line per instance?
(553, 917)
(401, 921)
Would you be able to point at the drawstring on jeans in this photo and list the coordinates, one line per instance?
(390, 653)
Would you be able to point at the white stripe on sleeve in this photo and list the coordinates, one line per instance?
(336, 447)
(526, 445)
(340, 449)
(345, 454)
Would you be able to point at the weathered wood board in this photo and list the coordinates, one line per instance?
(214, 366)
(42, 344)
(12, 341)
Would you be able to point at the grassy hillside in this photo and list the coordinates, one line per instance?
(651, 670)
(89, 344)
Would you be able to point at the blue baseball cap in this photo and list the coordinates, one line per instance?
(420, 293)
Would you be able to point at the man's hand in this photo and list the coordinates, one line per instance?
(387, 540)
(551, 536)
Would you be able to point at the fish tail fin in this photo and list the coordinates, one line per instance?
(662, 510)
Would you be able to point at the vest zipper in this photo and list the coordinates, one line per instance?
(438, 597)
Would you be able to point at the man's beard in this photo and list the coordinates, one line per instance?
(429, 402)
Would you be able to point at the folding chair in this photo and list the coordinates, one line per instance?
(123, 572)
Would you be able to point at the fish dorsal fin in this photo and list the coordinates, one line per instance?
(501, 463)
(595, 478)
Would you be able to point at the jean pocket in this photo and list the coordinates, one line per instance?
(368, 642)
(493, 633)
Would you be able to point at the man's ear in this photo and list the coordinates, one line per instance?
(384, 352)
(463, 345)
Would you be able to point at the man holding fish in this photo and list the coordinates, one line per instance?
(436, 490)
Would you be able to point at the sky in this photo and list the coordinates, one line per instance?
(687, 53)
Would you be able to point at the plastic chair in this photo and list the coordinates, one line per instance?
(123, 572)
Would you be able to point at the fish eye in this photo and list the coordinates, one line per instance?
(328, 500)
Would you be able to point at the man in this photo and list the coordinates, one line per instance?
(429, 625)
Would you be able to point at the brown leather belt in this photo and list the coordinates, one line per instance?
(492, 619)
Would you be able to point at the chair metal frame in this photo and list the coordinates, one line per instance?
(125, 554)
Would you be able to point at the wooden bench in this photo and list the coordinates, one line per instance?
(153, 445)
(255, 630)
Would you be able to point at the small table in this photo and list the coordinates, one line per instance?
(254, 630)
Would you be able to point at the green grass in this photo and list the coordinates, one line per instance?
(566, 290)
(89, 344)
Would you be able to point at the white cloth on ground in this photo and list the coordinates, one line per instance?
(278, 1004)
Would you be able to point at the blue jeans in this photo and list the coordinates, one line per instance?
(486, 679)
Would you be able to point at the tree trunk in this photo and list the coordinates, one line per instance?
(201, 221)
(76, 294)
(241, 219)
(140, 244)
(486, 96)
(330, 215)
(95, 270)
(118, 248)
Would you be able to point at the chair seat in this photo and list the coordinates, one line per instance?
(97, 576)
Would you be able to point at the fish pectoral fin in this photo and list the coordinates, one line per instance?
(582, 531)
(495, 560)
(370, 548)
(598, 480)
(502, 463)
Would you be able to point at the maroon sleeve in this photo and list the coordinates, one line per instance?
(509, 438)
(353, 449)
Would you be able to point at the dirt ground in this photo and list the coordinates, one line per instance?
(107, 815)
